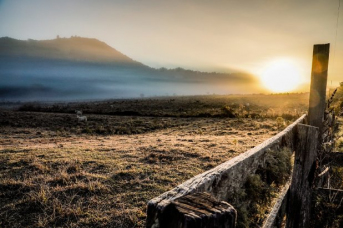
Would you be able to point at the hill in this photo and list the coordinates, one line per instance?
(74, 48)
(81, 68)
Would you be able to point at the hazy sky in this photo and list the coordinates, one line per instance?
(216, 35)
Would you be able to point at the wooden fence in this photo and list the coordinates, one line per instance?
(203, 201)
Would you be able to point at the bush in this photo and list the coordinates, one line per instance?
(30, 107)
(280, 122)
(228, 112)
(253, 200)
(257, 189)
(278, 166)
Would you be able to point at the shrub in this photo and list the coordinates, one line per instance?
(280, 122)
(257, 189)
(30, 107)
(278, 166)
(253, 200)
(228, 112)
(100, 130)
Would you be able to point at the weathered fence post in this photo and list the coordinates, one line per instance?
(199, 210)
(300, 193)
(309, 139)
(320, 63)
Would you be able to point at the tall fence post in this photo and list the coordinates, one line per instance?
(300, 192)
(309, 139)
(319, 73)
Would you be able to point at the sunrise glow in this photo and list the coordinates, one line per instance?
(281, 76)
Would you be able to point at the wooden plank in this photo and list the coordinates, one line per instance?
(317, 101)
(305, 164)
(275, 217)
(199, 210)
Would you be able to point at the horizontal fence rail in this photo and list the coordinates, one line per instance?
(274, 218)
(225, 179)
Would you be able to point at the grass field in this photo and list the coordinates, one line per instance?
(56, 172)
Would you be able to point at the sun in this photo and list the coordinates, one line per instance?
(281, 76)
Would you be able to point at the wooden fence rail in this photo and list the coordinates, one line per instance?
(224, 180)
(276, 215)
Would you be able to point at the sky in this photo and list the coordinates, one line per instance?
(217, 35)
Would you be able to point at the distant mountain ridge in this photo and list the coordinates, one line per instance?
(82, 68)
(74, 48)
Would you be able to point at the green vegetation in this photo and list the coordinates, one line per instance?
(253, 201)
(328, 208)
(280, 122)
(337, 104)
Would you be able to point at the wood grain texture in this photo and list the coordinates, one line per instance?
(319, 73)
(305, 164)
(199, 210)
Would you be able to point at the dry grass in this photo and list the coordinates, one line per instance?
(257, 106)
(56, 173)
(107, 180)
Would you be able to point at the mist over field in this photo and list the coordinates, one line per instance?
(81, 68)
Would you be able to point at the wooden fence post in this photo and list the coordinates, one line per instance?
(309, 137)
(198, 210)
(300, 193)
(320, 63)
